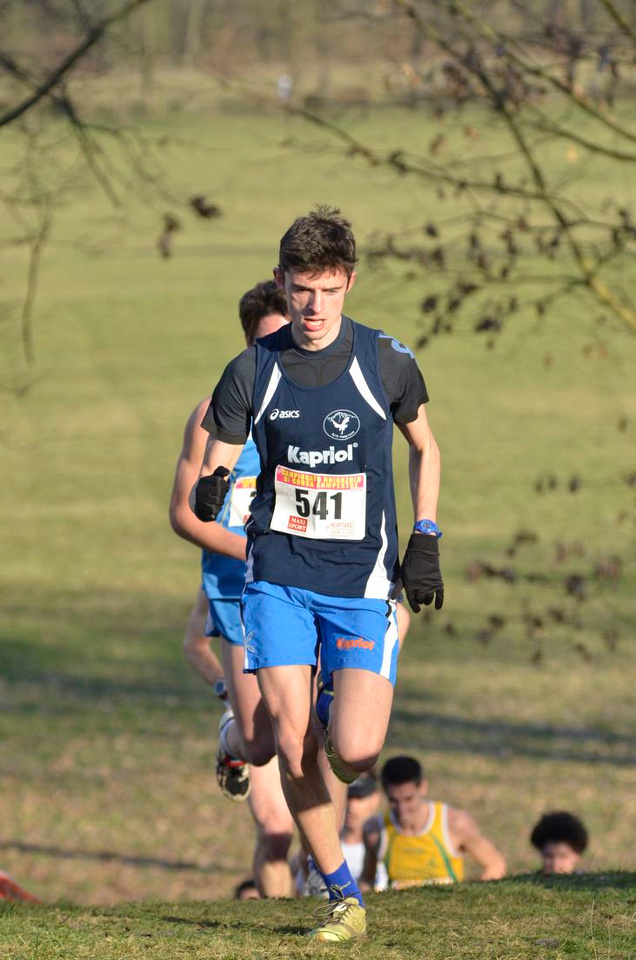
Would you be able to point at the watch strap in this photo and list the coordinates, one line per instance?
(428, 527)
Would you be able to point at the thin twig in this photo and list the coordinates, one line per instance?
(618, 18)
(32, 281)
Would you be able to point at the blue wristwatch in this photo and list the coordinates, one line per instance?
(429, 527)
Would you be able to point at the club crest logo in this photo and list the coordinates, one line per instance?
(341, 424)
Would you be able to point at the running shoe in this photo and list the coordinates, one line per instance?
(343, 920)
(342, 773)
(232, 773)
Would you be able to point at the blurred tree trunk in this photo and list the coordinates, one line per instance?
(194, 31)
(146, 60)
(587, 14)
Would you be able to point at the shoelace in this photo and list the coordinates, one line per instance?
(329, 910)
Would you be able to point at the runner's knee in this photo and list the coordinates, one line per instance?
(359, 754)
(295, 750)
(257, 753)
(361, 760)
(274, 845)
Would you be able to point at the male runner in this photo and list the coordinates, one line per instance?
(423, 841)
(246, 732)
(321, 397)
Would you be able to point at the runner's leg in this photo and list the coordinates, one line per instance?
(403, 622)
(274, 829)
(337, 789)
(287, 691)
(359, 651)
(251, 736)
(359, 716)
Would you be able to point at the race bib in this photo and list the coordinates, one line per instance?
(243, 490)
(320, 506)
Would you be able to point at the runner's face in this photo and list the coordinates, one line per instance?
(270, 324)
(406, 801)
(315, 304)
(559, 858)
(358, 811)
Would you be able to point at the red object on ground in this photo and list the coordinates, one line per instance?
(11, 891)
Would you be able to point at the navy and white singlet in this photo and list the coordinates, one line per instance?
(324, 518)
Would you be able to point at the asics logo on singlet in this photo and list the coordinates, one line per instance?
(311, 458)
(277, 414)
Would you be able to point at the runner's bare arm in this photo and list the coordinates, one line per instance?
(196, 645)
(208, 536)
(372, 833)
(424, 466)
(219, 454)
(469, 840)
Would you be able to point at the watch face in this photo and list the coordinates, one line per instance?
(218, 688)
(427, 526)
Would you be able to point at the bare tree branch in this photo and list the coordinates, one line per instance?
(618, 17)
(555, 130)
(96, 33)
(487, 33)
(89, 149)
(472, 63)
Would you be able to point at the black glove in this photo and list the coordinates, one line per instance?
(210, 494)
(421, 576)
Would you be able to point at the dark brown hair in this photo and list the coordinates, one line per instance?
(399, 770)
(262, 300)
(559, 827)
(323, 240)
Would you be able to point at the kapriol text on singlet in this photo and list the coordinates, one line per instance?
(312, 458)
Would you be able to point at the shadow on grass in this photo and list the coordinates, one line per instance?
(426, 730)
(80, 668)
(29, 664)
(109, 856)
(89, 642)
(602, 880)
(245, 924)
(206, 924)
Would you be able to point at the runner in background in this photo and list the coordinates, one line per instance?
(423, 841)
(245, 731)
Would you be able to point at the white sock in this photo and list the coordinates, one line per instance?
(223, 739)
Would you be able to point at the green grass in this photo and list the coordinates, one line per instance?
(107, 790)
(580, 917)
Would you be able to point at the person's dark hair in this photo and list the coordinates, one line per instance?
(259, 302)
(244, 887)
(400, 770)
(559, 826)
(323, 240)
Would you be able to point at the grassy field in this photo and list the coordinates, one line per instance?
(525, 918)
(108, 791)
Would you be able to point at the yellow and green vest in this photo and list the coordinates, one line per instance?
(428, 857)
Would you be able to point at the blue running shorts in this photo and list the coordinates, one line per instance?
(224, 620)
(289, 625)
